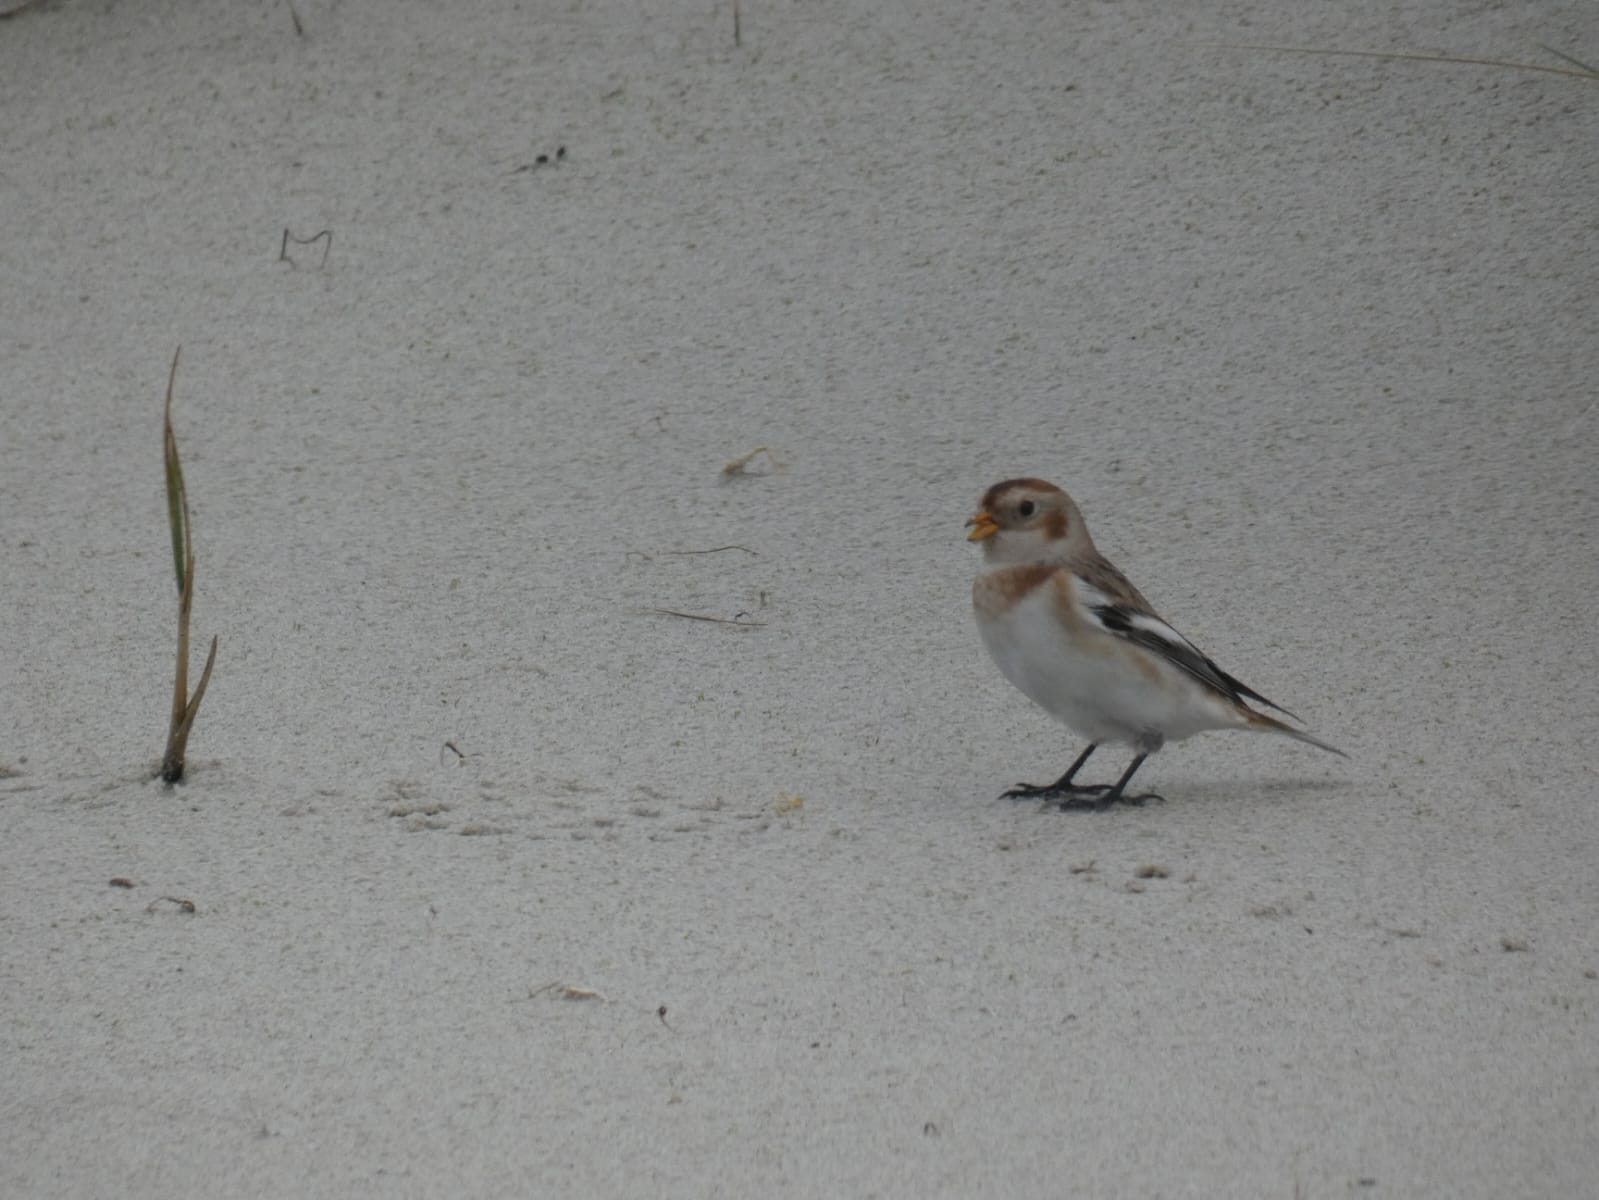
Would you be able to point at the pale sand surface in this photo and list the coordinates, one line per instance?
(1313, 341)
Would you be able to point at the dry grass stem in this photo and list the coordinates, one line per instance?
(738, 619)
(1578, 63)
(740, 465)
(1582, 71)
(566, 991)
(325, 237)
(183, 906)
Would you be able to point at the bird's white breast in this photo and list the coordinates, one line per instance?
(1101, 686)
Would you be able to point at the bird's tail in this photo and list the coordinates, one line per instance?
(1273, 725)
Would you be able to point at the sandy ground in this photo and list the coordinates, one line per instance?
(1313, 340)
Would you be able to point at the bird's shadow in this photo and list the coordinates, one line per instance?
(1268, 790)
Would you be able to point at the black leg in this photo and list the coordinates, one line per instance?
(1061, 788)
(1103, 797)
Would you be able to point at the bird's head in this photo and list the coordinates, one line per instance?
(1028, 520)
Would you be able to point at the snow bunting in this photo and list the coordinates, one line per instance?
(1069, 630)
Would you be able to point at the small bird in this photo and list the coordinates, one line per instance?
(1068, 629)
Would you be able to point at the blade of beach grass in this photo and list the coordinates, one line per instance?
(183, 714)
(177, 735)
(177, 498)
(199, 691)
(184, 708)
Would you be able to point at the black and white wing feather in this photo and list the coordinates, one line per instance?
(1129, 617)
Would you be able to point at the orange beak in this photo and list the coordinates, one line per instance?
(982, 526)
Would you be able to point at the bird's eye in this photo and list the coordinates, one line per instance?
(1026, 508)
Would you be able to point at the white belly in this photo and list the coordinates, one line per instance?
(1091, 682)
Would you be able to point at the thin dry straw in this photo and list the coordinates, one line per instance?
(1583, 72)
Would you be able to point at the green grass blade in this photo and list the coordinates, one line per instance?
(184, 707)
(177, 498)
(193, 709)
(177, 727)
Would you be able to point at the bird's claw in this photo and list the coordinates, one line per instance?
(1052, 791)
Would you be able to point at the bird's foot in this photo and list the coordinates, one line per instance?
(1104, 798)
(1064, 792)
